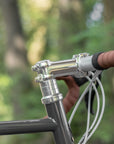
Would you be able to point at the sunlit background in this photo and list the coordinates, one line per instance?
(34, 30)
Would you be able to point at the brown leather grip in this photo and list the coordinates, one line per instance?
(106, 59)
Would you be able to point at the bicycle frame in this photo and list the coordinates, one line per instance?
(56, 123)
(52, 99)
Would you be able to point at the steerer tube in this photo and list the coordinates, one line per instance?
(52, 98)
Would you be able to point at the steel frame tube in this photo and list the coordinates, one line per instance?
(63, 133)
(27, 126)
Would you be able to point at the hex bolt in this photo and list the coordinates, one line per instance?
(39, 78)
(34, 68)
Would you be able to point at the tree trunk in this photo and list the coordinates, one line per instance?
(15, 57)
(108, 18)
(72, 21)
(108, 10)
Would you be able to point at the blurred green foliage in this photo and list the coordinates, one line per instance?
(95, 38)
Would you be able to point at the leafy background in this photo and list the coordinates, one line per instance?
(54, 30)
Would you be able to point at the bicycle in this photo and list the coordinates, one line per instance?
(81, 65)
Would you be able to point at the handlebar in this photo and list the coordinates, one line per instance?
(98, 61)
(78, 66)
(106, 59)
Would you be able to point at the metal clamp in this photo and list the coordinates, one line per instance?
(79, 73)
(51, 98)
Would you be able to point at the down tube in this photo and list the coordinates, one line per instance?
(62, 134)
